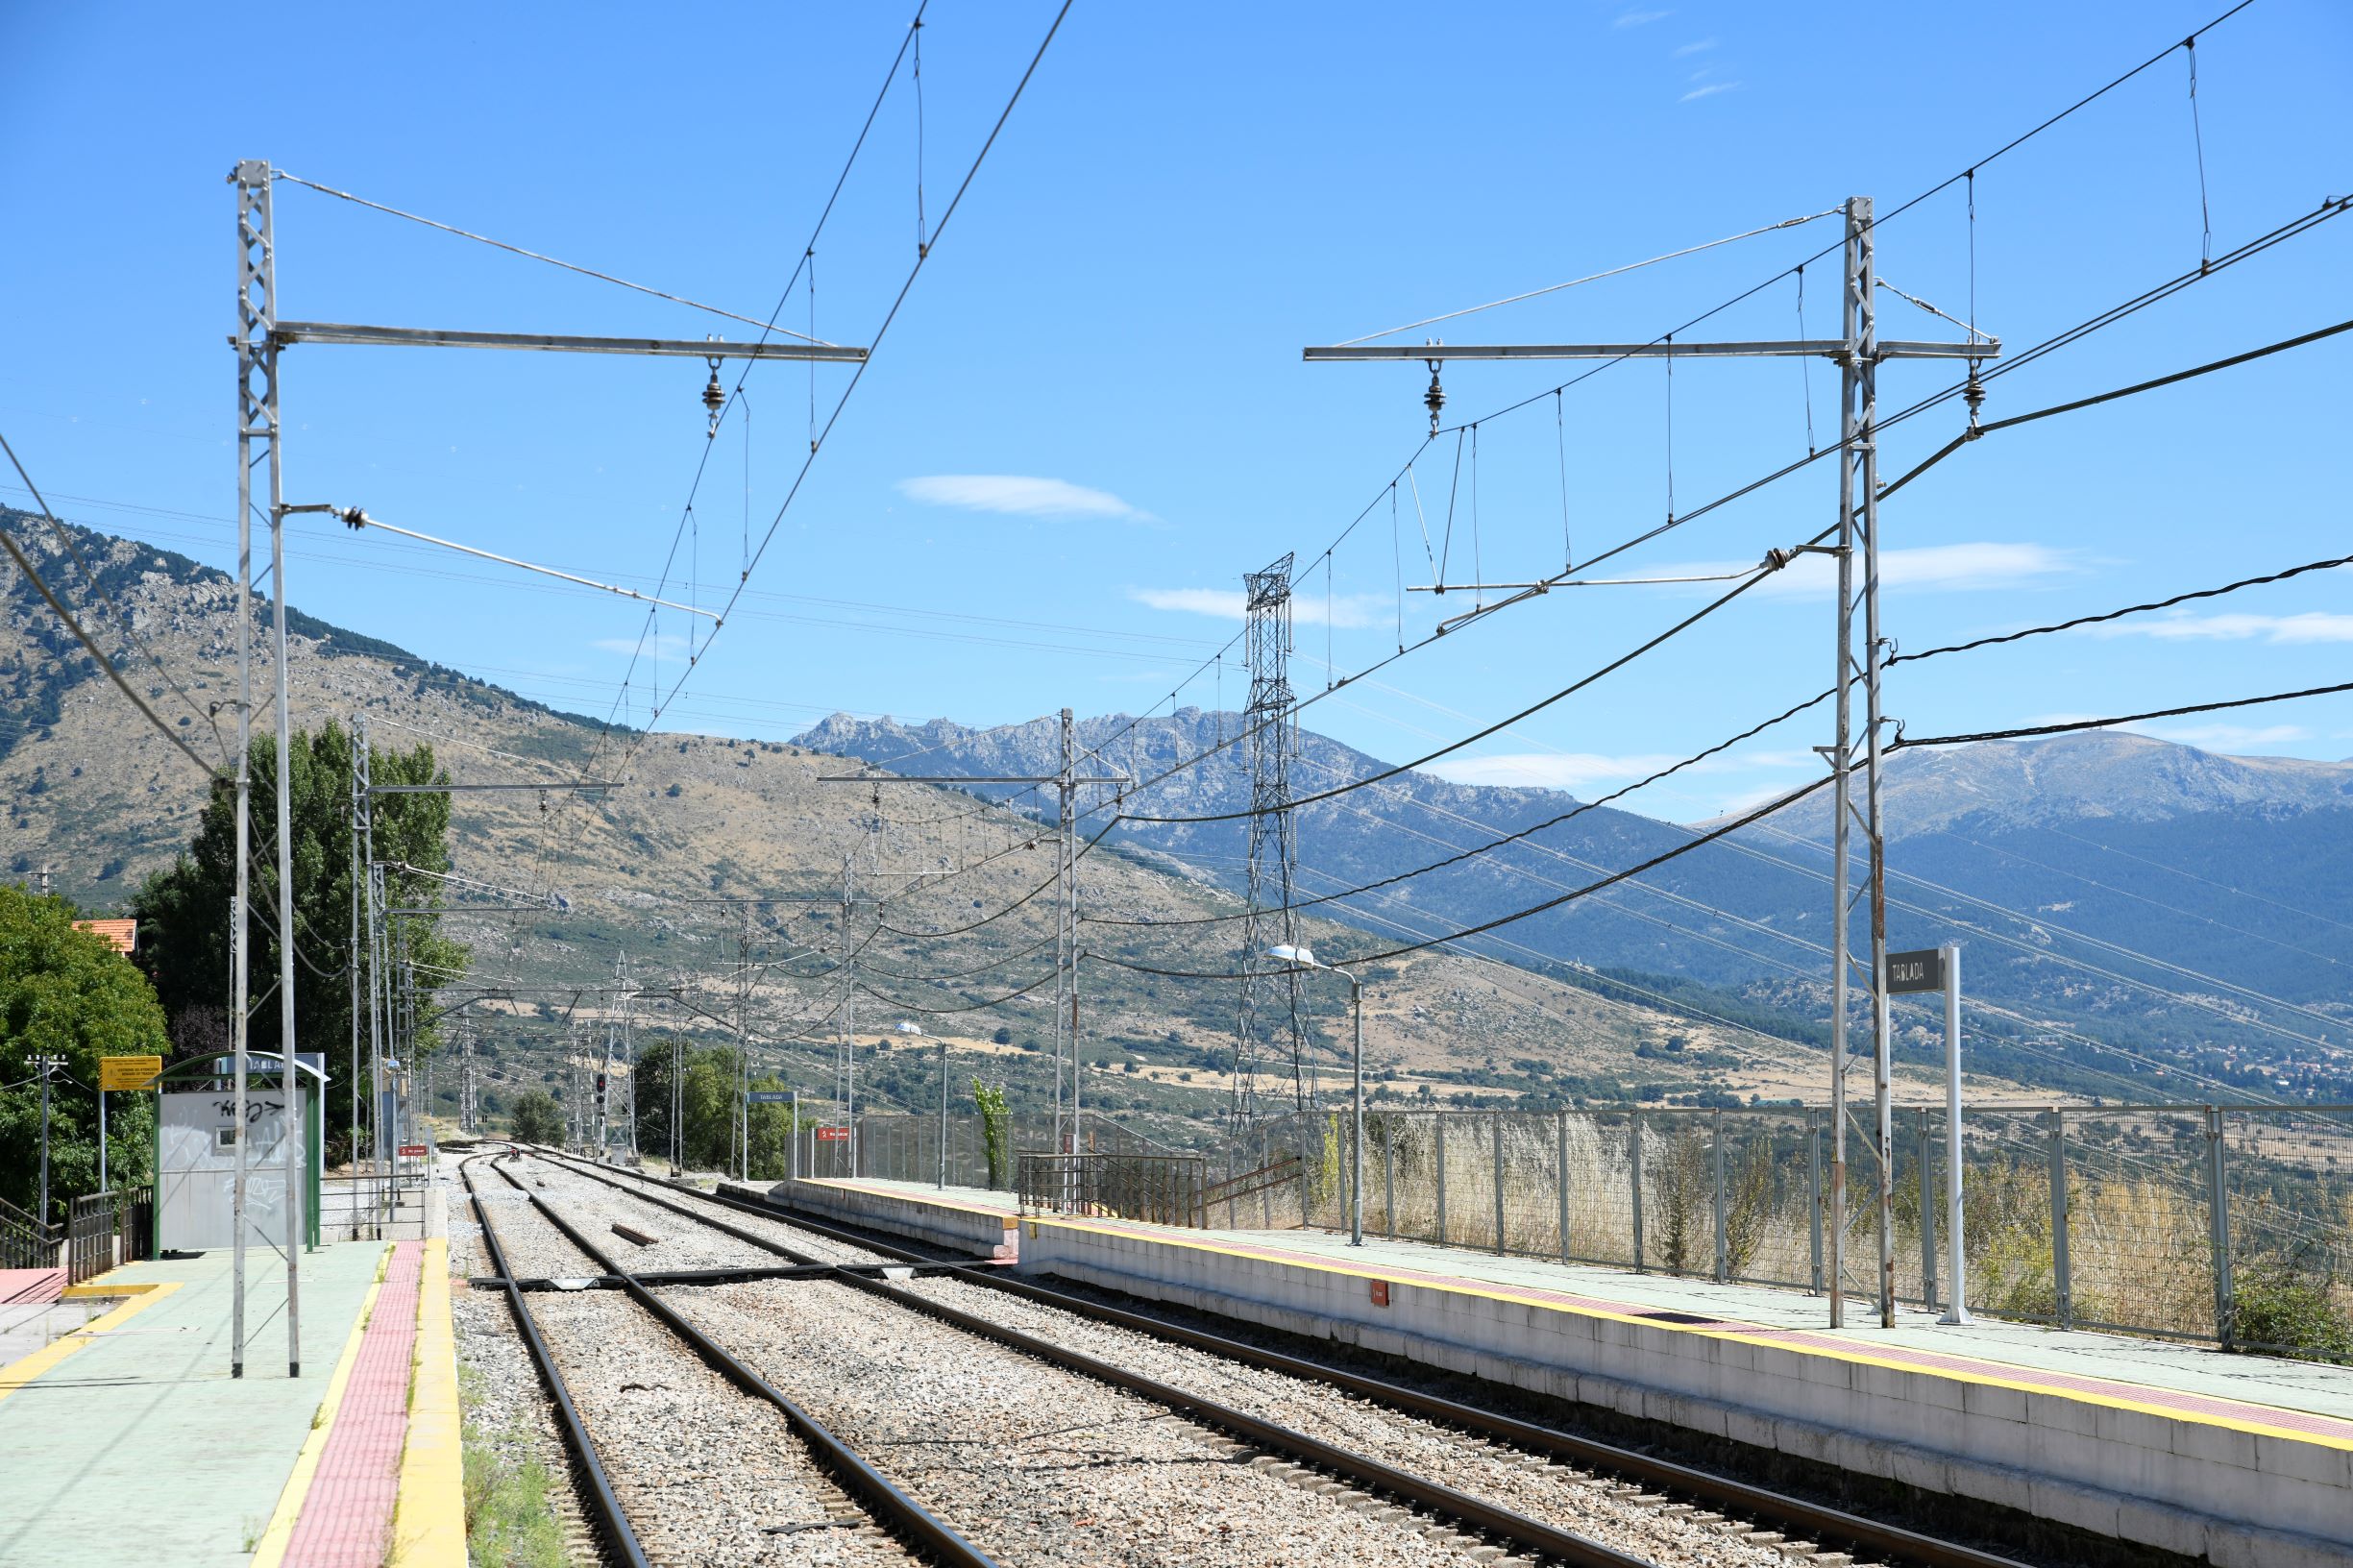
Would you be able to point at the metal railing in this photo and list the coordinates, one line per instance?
(106, 1230)
(25, 1240)
(366, 1206)
(1158, 1189)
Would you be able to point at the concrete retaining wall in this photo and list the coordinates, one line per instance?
(2201, 1488)
(984, 1232)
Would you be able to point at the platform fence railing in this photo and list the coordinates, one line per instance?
(106, 1230)
(365, 1206)
(26, 1241)
(1158, 1189)
(2225, 1224)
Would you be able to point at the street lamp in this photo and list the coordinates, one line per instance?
(1304, 958)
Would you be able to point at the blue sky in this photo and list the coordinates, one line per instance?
(1092, 417)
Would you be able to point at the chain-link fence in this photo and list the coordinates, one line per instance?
(2231, 1224)
(981, 1151)
(2078, 1217)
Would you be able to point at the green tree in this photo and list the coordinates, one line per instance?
(536, 1117)
(706, 1100)
(69, 993)
(182, 909)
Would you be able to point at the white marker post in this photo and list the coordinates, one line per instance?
(1919, 972)
(1956, 1299)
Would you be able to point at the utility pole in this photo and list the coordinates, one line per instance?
(743, 1047)
(846, 1058)
(1066, 781)
(629, 1060)
(1066, 903)
(256, 423)
(1271, 730)
(359, 869)
(257, 427)
(677, 1084)
(44, 1064)
(604, 1073)
(1858, 351)
(465, 1076)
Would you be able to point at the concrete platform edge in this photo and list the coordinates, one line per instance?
(429, 1522)
(2142, 1519)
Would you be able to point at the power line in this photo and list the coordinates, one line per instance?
(874, 342)
(517, 249)
(1976, 430)
(2068, 728)
(2072, 334)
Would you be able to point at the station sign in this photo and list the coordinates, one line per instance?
(116, 1074)
(769, 1096)
(1916, 971)
(412, 1151)
(833, 1135)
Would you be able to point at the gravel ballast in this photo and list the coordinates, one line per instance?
(1622, 1517)
(705, 1473)
(1626, 1517)
(1037, 1466)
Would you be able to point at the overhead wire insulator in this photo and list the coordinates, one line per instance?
(714, 399)
(1973, 395)
(1434, 400)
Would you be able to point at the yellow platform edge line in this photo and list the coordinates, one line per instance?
(271, 1550)
(24, 1370)
(429, 1522)
(2023, 1382)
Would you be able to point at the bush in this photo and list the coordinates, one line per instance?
(2290, 1310)
(536, 1117)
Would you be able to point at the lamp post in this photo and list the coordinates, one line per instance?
(1304, 958)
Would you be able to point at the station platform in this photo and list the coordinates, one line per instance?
(2229, 1458)
(127, 1437)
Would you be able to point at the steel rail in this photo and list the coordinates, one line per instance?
(622, 1539)
(1523, 1532)
(892, 1507)
(1815, 1520)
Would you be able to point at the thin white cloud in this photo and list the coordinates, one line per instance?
(1696, 46)
(669, 648)
(1932, 568)
(2226, 736)
(1018, 495)
(1226, 604)
(1580, 772)
(1641, 18)
(2310, 626)
(1708, 92)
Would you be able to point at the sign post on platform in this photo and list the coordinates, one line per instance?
(1939, 968)
(120, 1073)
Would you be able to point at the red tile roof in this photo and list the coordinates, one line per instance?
(123, 934)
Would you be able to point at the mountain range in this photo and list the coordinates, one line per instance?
(2141, 919)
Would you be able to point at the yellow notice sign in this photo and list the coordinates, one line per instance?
(120, 1073)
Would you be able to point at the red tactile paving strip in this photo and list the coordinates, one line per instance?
(23, 1286)
(346, 1519)
(1809, 1341)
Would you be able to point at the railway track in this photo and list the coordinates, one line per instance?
(716, 1481)
(1491, 1483)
